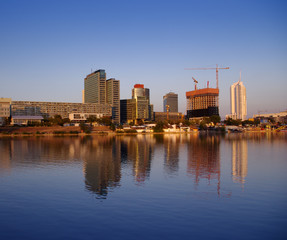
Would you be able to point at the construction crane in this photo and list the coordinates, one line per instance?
(196, 82)
(216, 68)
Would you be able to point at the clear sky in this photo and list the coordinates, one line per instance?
(48, 47)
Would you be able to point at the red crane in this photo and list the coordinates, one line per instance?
(209, 69)
(196, 82)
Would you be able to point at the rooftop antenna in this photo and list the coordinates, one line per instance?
(240, 77)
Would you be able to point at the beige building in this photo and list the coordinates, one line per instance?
(102, 91)
(95, 87)
(113, 97)
(25, 120)
(50, 109)
(238, 107)
(4, 109)
(172, 116)
(137, 108)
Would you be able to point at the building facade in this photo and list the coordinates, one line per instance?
(113, 97)
(102, 91)
(238, 107)
(137, 108)
(202, 102)
(128, 110)
(50, 109)
(95, 87)
(163, 116)
(4, 109)
(170, 102)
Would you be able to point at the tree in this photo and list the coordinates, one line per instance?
(215, 119)
(230, 121)
(158, 127)
(92, 119)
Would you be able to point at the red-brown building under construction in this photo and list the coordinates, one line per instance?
(202, 102)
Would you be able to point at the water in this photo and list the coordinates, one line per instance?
(144, 187)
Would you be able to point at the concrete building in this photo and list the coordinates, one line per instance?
(170, 102)
(172, 116)
(102, 91)
(128, 110)
(280, 117)
(95, 87)
(4, 109)
(113, 97)
(50, 109)
(202, 102)
(137, 108)
(238, 107)
(25, 120)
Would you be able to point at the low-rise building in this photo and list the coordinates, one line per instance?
(50, 109)
(25, 120)
(172, 116)
(80, 117)
(4, 109)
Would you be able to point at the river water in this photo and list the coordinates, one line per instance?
(171, 186)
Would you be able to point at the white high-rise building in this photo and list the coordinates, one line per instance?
(238, 105)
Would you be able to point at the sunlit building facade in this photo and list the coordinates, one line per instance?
(238, 106)
(170, 102)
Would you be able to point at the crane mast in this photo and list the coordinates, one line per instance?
(216, 68)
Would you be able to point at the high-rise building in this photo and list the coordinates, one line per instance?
(202, 102)
(238, 105)
(113, 97)
(170, 101)
(141, 95)
(95, 87)
(99, 90)
(137, 108)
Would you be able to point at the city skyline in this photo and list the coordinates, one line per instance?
(47, 48)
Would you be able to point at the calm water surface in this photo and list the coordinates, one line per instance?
(144, 187)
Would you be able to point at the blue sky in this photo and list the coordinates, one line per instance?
(48, 47)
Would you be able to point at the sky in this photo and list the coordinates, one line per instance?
(48, 47)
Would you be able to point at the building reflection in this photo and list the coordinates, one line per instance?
(100, 157)
(5, 159)
(239, 160)
(204, 158)
(102, 164)
(137, 151)
(171, 152)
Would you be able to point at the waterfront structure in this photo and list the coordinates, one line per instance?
(141, 95)
(95, 87)
(128, 110)
(172, 116)
(80, 117)
(4, 109)
(113, 97)
(50, 109)
(170, 102)
(202, 102)
(137, 108)
(280, 117)
(25, 120)
(238, 107)
(102, 91)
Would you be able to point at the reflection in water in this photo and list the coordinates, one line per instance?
(204, 158)
(171, 153)
(102, 164)
(104, 157)
(239, 160)
(138, 151)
